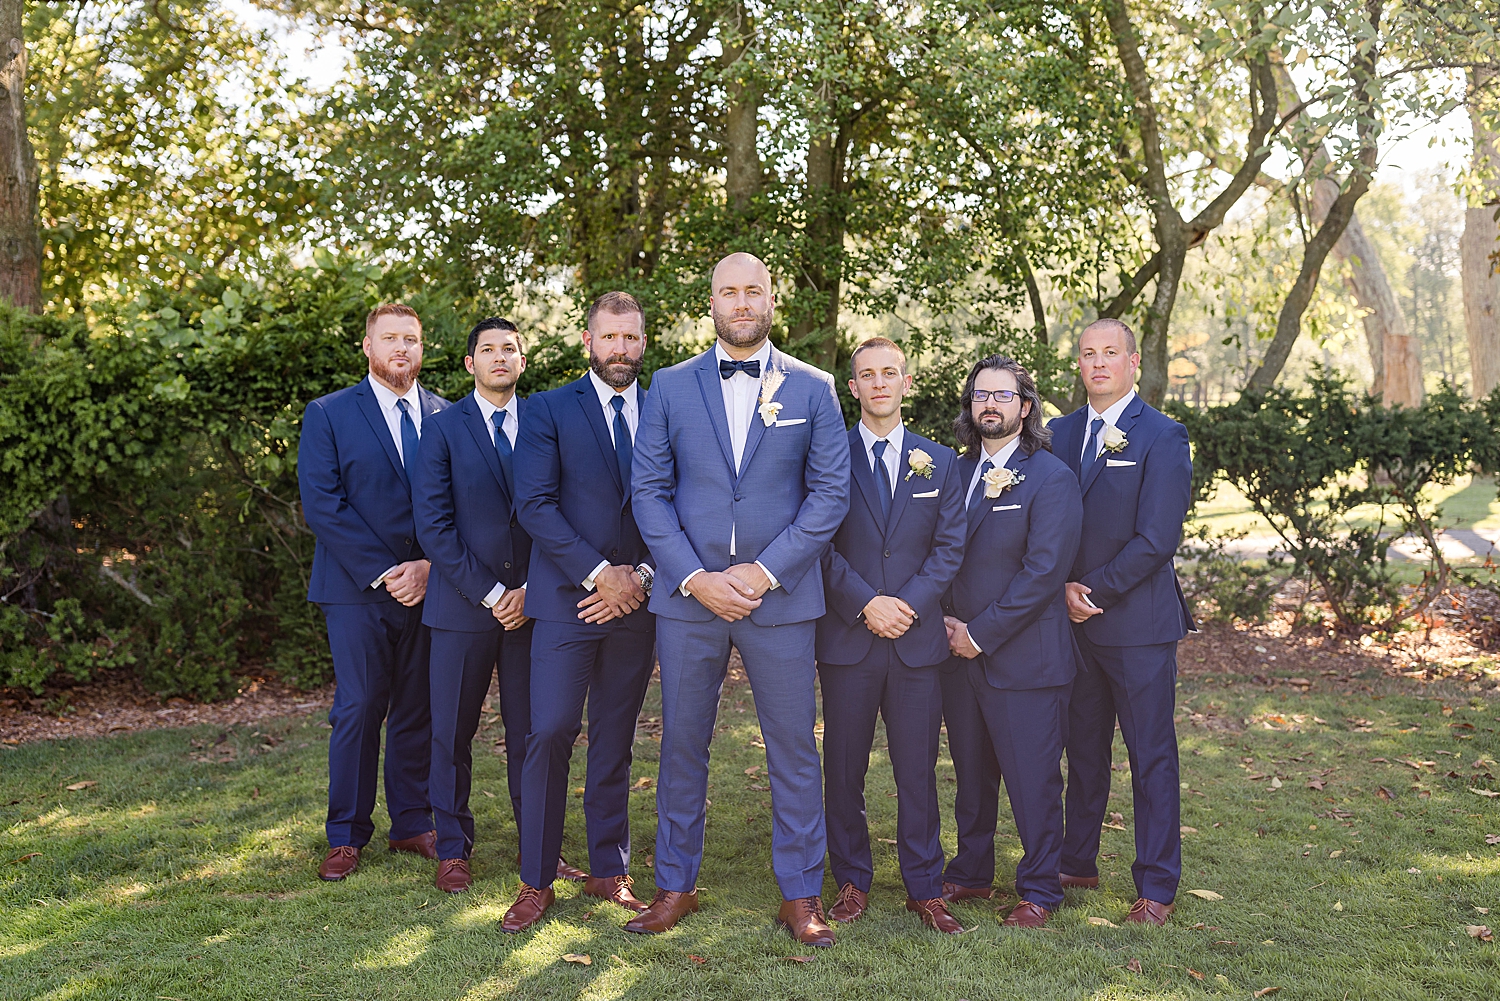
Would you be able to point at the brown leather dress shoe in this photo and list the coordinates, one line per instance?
(952, 892)
(803, 917)
(614, 888)
(849, 905)
(338, 863)
(453, 875)
(664, 911)
(1149, 912)
(935, 915)
(1027, 915)
(424, 844)
(571, 873)
(528, 909)
(1078, 882)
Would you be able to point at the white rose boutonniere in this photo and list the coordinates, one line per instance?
(918, 463)
(770, 382)
(1114, 438)
(997, 481)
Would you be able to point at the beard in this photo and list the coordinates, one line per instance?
(992, 425)
(616, 371)
(742, 339)
(399, 381)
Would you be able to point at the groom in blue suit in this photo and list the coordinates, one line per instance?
(369, 576)
(741, 479)
(463, 494)
(882, 640)
(1009, 634)
(1135, 470)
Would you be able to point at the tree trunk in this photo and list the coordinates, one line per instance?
(742, 166)
(1481, 240)
(822, 262)
(20, 238)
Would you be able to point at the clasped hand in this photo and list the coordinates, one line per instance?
(508, 611)
(731, 594)
(888, 616)
(617, 593)
(408, 582)
(959, 643)
(1079, 610)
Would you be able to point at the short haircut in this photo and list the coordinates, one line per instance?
(1120, 325)
(391, 309)
(1034, 432)
(493, 323)
(876, 342)
(614, 303)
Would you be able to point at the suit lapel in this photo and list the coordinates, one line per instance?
(1017, 464)
(370, 406)
(713, 401)
(1072, 440)
(475, 422)
(1127, 420)
(905, 483)
(757, 426)
(863, 478)
(588, 400)
(969, 463)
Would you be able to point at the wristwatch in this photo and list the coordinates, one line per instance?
(646, 577)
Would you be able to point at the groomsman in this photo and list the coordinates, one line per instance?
(369, 576)
(881, 642)
(1009, 631)
(463, 493)
(1135, 471)
(742, 477)
(590, 575)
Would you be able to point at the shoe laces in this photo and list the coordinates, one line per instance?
(846, 894)
(813, 906)
(528, 893)
(1140, 905)
(626, 881)
(344, 851)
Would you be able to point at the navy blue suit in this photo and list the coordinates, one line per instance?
(1007, 709)
(1134, 503)
(467, 526)
(574, 504)
(912, 555)
(356, 498)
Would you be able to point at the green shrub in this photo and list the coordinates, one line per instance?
(1224, 586)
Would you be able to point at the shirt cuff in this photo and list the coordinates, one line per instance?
(588, 582)
(381, 579)
(769, 575)
(970, 638)
(496, 593)
(683, 586)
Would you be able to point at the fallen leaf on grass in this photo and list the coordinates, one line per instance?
(1481, 910)
(77, 786)
(1207, 894)
(644, 782)
(1194, 973)
(1336, 853)
(752, 770)
(1316, 784)
(1103, 923)
(488, 793)
(1486, 793)
(577, 957)
(1481, 932)
(886, 841)
(1184, 829)
(799, 959)
(1338, 905)
(1385, 793)
(1134, 966)
(1492, 839)
(1414, 871)
(23, 858)
(1275, 783)
(1113, 827)
(1265, 992)
(697, 959)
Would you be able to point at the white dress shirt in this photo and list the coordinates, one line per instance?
(386, 399)
(892, 455)
(1000, 458)
(1111, 417)
(512, 416)
(632, 412)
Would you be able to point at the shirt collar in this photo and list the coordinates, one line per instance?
(387, 399)
(607, 392)
(1112, 413)
(762, 355)
(487, 409)
(1001, 457)
(895, 438)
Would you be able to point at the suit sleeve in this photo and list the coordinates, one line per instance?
(537, 466)
(325, 504)
(1166, 493)
(1056, 515)
(653, 488)
(826, 477)
(847, 592)
(432, 506)
(928, 586)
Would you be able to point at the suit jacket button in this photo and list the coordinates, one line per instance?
(880, 590)
(408, 542)
(614, 552)
(507, 566)
(739, 497)
(887, 554)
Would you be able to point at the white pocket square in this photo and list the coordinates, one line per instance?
(1119, 462)
(789, 422)
(1006, 507)
(930, 493)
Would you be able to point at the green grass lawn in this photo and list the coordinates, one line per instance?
(187, 872)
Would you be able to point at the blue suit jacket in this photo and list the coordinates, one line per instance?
(356, 496)
(571, 501)
(784, 503)
(466, 520)
(914, 557)
(1010, 589)
(1134, 503)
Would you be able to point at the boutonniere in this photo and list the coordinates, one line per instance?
(769, 384)
(1114, 438)
(997, 481)
(918, 463)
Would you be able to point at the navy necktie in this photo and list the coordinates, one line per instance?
(1091, 450)
(882, 479)
(728, 368)
(622, 442)
(408, 435)
(502, 448)
(977, 500)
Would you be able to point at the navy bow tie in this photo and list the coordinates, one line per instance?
(728, 368)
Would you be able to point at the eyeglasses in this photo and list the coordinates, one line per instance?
(998, 395)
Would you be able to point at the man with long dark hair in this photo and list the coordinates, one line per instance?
(1005, 690)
